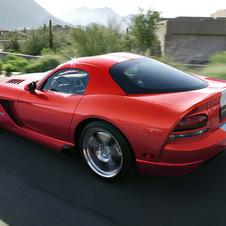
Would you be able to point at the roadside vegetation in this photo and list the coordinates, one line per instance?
(59, 45)
(55, 46)
(216, 68)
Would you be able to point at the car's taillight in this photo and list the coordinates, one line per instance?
(189, 123)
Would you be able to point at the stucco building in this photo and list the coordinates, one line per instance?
(192, 39)
(3, 31)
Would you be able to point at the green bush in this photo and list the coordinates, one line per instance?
(13, 45)
(39, 39)
(8, 67)
(219, 58)
(216, 68)
(1, 64)
(171, 63)
(36, 41)
(97, 39)
(17, 62)
(62, 54)
(43, 64)
(11, 57)
(214, 71)
(47, 51)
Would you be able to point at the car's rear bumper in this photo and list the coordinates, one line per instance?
(182, 157)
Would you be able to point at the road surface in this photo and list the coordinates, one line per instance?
(39, 186)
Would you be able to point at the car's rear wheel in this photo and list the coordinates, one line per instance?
(106, 151)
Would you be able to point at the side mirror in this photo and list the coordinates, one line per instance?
(30, 87)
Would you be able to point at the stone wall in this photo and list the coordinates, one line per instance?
(27, 57)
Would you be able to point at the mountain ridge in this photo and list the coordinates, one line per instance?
(84, 16)
(25, 14)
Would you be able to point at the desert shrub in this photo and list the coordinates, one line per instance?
(17, 62)
(216, 68)
(172, 63)
(8, 67)
(42, 64)
(97, 39)
(36, 41)
(62, 54)
(47, 51)
(219, 58)
(13, 45)
(214, 71)
(1, 64)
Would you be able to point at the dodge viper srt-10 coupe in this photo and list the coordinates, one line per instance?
(122, 112)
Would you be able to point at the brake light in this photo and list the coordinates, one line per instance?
(191, 123)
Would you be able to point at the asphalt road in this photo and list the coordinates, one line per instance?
(39, 186)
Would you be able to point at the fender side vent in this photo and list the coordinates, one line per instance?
(8, 107)
(15, 81)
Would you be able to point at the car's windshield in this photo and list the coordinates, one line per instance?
(144, 76)
(45, 74)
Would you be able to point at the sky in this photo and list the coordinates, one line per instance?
(167, 8)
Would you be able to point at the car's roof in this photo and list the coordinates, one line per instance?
(106, 60)
(100, 81)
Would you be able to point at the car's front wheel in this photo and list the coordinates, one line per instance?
(106, 151)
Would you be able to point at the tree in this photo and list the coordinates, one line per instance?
(97, 39)
(127, 41)
(143, 27)
(13, 45)
(36, 41)
(50, 35)
(44, 38)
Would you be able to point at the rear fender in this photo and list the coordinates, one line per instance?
(145, 125)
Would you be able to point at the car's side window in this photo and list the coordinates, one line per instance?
(72, 81)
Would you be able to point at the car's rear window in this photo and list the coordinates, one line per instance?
(144, 76)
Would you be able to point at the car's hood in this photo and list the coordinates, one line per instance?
(11, 88)
(21, 80)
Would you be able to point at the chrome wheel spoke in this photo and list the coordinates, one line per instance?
(102, 152)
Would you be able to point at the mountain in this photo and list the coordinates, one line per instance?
(24, 13)
(84, 16)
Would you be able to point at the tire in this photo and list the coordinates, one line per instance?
(106, 151)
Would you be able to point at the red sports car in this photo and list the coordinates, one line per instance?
(121, 111)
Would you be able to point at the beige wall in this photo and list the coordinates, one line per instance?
(194, 48)
(192, 40)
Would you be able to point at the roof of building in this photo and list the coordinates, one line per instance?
(3, 30)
